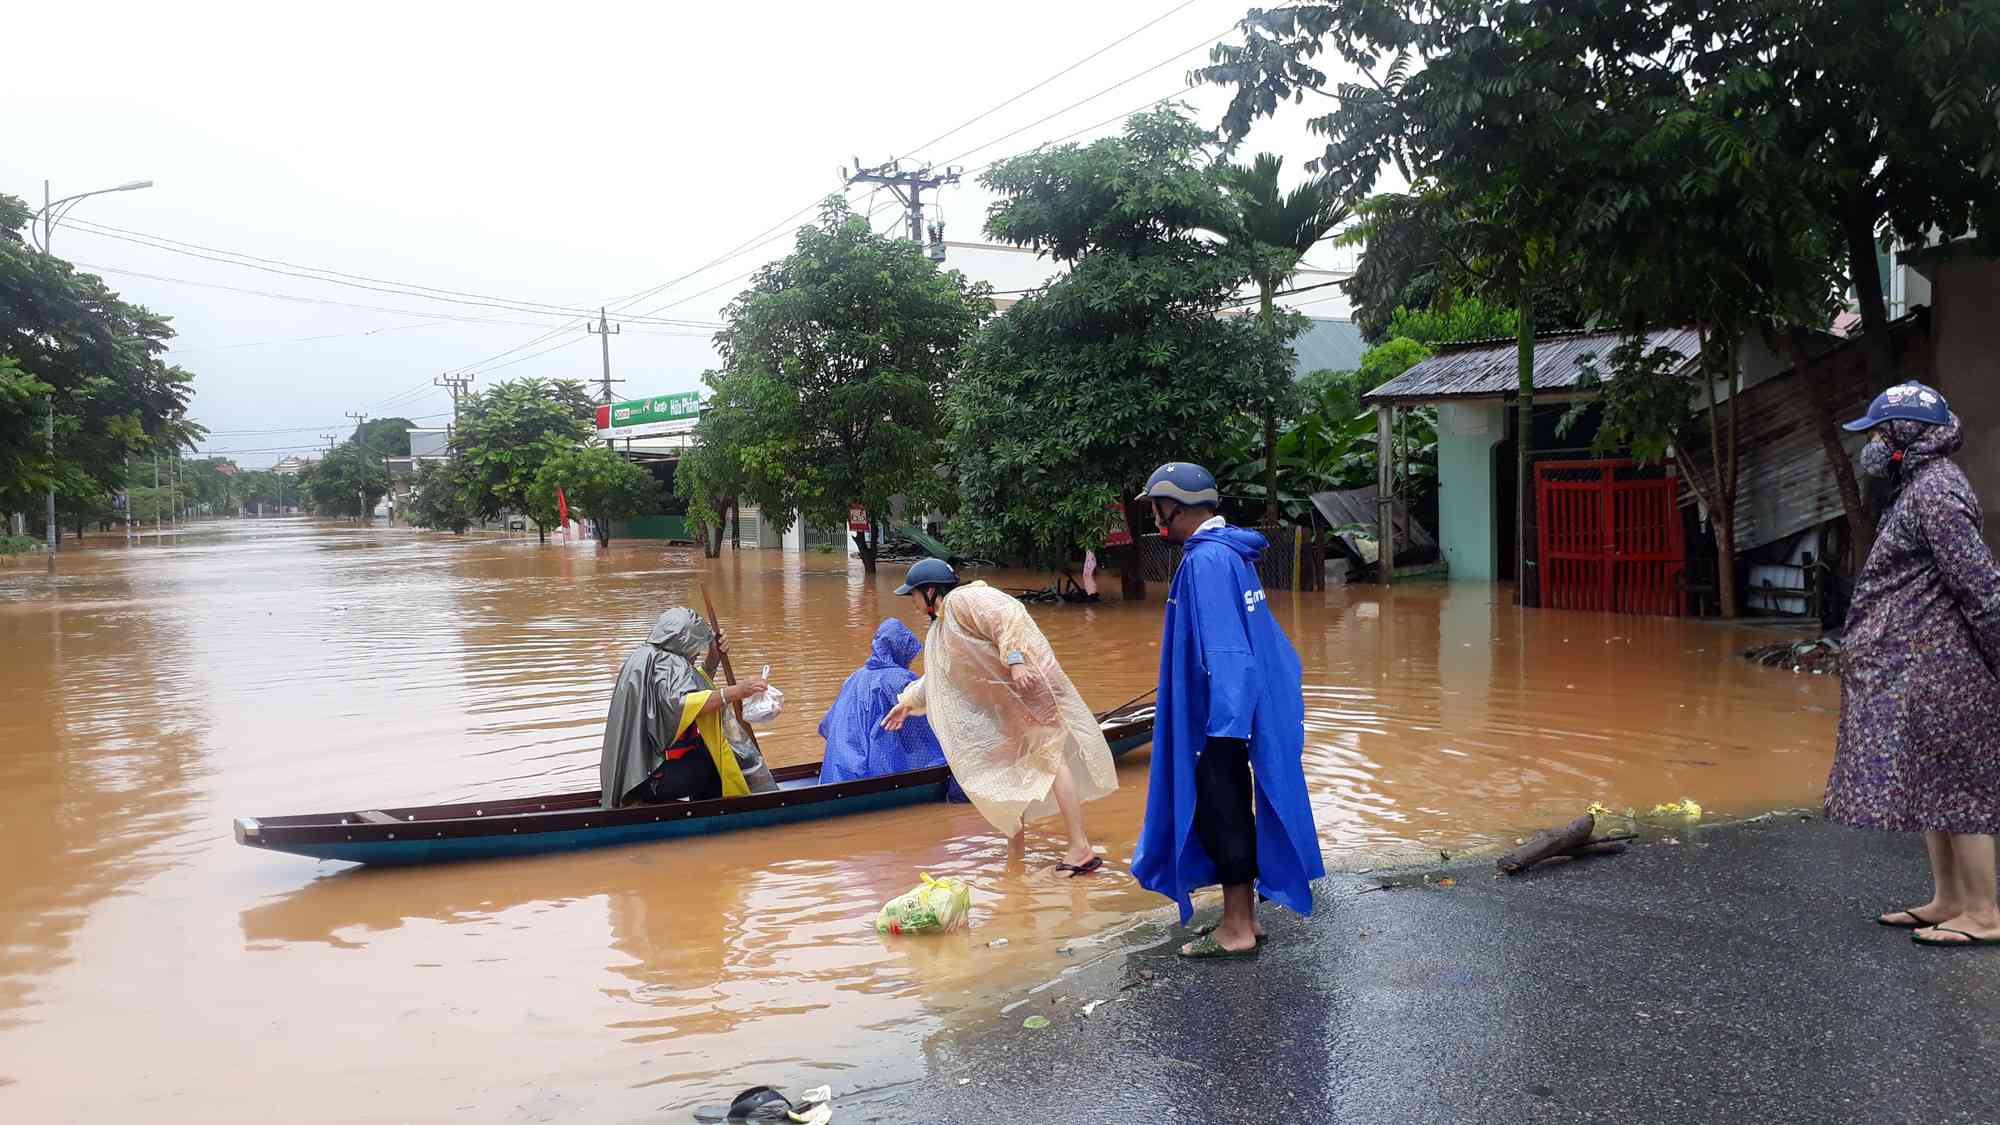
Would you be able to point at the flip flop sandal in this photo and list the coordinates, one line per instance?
(1095, 862)
(1207, 930)
(1969, 941)
(1206, 948)
(758, 1103)
(1920, 922)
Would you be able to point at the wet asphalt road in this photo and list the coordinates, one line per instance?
(1735, 976)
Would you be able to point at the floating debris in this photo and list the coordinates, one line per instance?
(1820, 657)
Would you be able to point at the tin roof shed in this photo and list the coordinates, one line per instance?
(1487, 368)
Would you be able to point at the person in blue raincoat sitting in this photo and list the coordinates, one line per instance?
(1228, 802)
(856, 744)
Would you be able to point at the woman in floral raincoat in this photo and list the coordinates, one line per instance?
(1920, 704)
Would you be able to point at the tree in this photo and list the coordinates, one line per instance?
(837, 357)
(1079, 390)
(712, 476)
(348, 481)
(386, 437)
(69, 345)
(507, 431)
(1405, 272)
(437, 498)
(598, 484)
(1274, 229)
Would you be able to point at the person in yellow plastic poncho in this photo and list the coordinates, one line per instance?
(671, 735)
(1019, 739)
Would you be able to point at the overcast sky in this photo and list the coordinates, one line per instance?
(556, 155)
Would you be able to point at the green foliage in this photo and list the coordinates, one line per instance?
(438, 499)
(599, 485)
(18, 545)
(507, 431)
(1452, 319)
(836, 360)
(711, 474)
(348, 481)
(1070, 398)
(387, 437)
(1384, 362)
(67, 339)
(1647, 396)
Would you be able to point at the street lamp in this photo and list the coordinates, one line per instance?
(53, 212)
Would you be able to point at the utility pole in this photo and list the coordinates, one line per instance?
(605, 330)
(908, 187)
(361, 488)
(51, 530)
(157, 533)
(456, 384)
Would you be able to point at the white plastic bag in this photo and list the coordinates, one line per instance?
(765, 705)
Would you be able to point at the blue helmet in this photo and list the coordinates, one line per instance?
(1912, 401)
(928, 572)
(1188, 484)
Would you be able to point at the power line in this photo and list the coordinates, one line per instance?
(1051, 78)
(1085, 101)
(336, 277)
(307, 300)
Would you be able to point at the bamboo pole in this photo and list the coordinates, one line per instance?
(728, 672)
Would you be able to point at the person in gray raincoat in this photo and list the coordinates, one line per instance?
(671, 733)
(1919, 747)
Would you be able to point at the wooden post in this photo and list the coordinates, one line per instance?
(728, 672)
(1385, 493)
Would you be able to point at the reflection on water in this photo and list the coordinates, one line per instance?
(281, 667)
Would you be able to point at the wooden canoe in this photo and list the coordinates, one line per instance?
(570, 821)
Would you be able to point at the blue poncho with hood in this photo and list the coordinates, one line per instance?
(1227, 671)
(856, 744)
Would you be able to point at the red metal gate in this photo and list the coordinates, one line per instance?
(1610, 539)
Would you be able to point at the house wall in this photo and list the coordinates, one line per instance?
(1467, 433)
(1965, 328)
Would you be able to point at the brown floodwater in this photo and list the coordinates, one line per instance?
(152, 970)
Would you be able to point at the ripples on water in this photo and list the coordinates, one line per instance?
(150, 695)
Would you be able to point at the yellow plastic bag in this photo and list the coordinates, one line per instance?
(934, 906)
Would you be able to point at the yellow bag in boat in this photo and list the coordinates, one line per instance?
(933, 906)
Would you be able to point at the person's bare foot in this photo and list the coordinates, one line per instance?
(1929, 914)
(1234, 940)
(1078, 855)
(1963, 929)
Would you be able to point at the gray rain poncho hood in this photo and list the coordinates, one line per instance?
(646, 708)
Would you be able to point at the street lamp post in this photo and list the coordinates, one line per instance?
(52, 212)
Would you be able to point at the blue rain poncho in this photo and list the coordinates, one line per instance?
(1227, 671)
(856, 744)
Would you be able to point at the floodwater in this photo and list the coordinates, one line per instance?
(153, 970)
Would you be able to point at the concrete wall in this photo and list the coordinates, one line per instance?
(1467, 434)
(1965, 331)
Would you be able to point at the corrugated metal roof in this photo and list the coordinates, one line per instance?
(1328, 343)
(1487, 368)
(1784, 482)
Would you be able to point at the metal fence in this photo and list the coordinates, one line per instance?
(1294, 551)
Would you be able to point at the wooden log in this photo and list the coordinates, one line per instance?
(1548, 844)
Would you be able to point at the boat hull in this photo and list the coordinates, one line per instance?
(574, 821)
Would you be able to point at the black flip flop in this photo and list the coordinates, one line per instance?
(1086, 868)
(1969, 941)
(1207, 930)
(758, 1103)
(1920, 923)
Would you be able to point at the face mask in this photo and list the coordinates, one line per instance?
(1877, 460)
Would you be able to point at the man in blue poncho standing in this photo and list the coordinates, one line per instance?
(1227, 803)
(857, 746)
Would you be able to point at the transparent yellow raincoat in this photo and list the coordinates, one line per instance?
(1004, 749)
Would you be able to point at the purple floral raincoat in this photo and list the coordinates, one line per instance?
(1919, 701)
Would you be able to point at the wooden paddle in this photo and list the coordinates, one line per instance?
(728, 673)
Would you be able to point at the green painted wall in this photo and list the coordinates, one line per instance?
(1466, 436)
(651, 527)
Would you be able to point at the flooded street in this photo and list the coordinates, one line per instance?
(151, 969)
